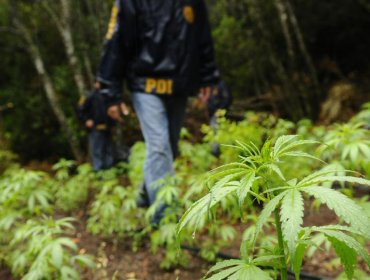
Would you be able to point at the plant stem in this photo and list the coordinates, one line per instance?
(283, 270)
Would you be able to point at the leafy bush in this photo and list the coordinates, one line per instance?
(72, 191)
(114, 211)
(40, 251)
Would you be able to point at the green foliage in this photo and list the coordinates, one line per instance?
(238, 269)
(28, 192)
(114, 211)
(136, 161)
(347, 141)
(7, 158)
(286, 195)
(227, 131)
(39, 251)
(72, 192)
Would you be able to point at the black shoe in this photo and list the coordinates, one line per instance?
(142, 201)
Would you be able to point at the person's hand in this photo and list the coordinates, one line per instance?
(89, 124)
(124, 109)
(97, 85)
(204, 94)
(114, 113)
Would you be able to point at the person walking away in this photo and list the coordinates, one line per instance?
(163, 50)
(93, 114)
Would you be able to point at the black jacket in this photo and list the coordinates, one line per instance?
(161, 47)
(93, 107)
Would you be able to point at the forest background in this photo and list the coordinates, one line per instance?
(296, 58)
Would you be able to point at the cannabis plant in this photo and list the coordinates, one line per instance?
(72, 191)
(29, 192)
(41, 250)
(258, 175)
(347, 144)
(114, 210)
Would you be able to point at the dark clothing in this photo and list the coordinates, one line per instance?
(220, 99)
(93, 107)
(163, 50)
(161, 47)
(101, 149)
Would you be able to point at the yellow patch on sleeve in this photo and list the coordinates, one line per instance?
(82, 100)
(112, 22)
(189, 15)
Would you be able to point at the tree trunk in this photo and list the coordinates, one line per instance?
(88, 69)
(311, 68)
(64, 28)
(291, 102)
(283, 16)
(51, 94)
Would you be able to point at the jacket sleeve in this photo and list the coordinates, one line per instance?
(112, 63)
(84, 108)
(208, 69)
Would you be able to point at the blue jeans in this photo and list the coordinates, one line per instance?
(101, 149)
(161, 119)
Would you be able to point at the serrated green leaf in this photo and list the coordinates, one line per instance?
(251, 272)
(225, 273)
(229, 178)
(280, 142)
(349, 179)
(85, 260)
(31, 203)
(264, 260)
(301, 154)
(350, 242)
(200, 207)
(342, 228)
(57, 255)
(365, 149)
(276, 169)
(251, 150)
(245, 186)
(287, 149)
(354, 152)
(312, 179)
(67, 243)
(298, 259)
(346, 254)
(69, 273)
(225, 264)
(291, 218)
(244, 249)
(266, 213)
(344, 207)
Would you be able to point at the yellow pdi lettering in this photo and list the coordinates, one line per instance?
(160, 86)
(150, 86)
